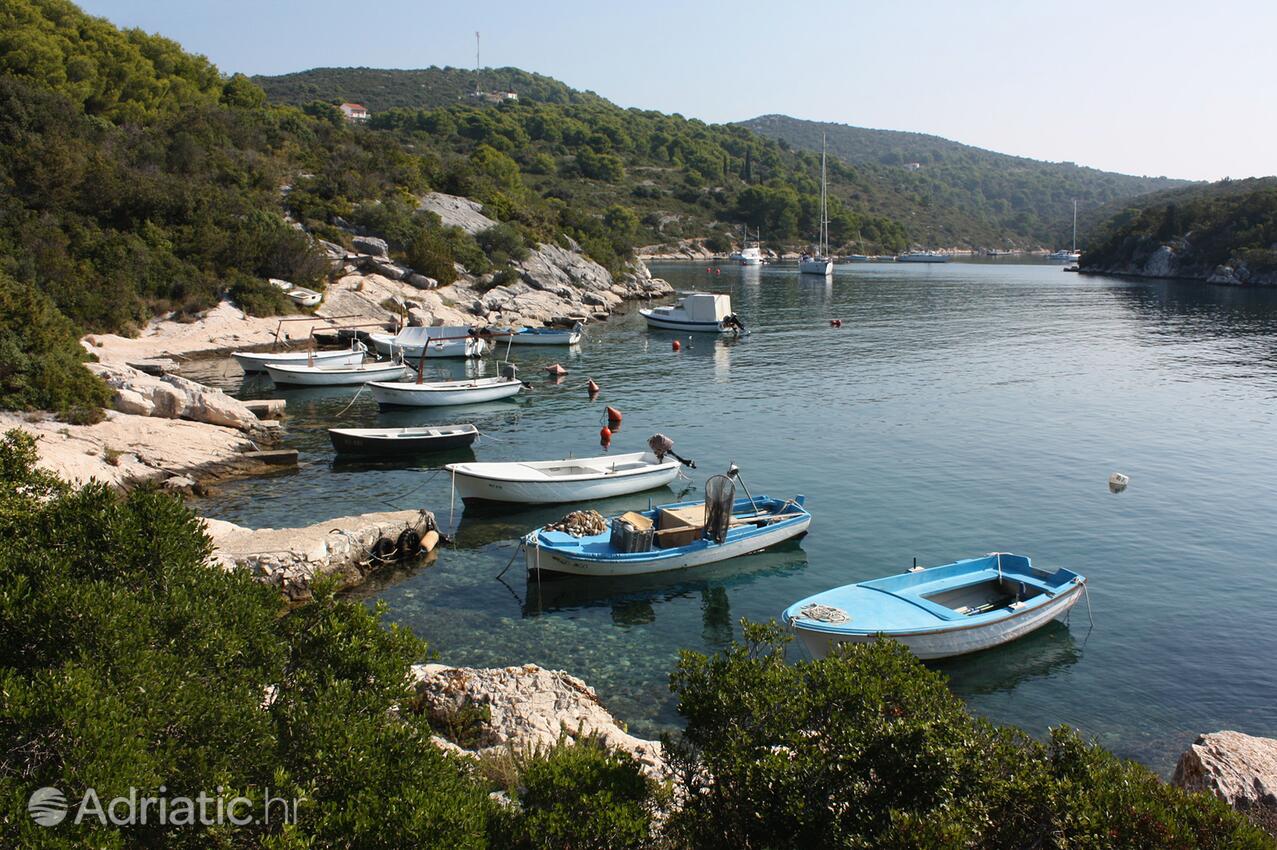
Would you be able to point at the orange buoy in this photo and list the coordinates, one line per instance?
(676, 345)
(613, 415)
(605, 436)
(556, 370)
(592, 387)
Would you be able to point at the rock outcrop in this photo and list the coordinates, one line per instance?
(292, 558)
(456, 211)
(530, 708)
(371, 245)
(1239, 769)
(175, 397)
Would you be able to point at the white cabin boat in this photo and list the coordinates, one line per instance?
(820, 263)
(415, 342)
(571, 480)
(336, 376)
(546, 336)
(443, 393)
(707, 312)
(251, 361)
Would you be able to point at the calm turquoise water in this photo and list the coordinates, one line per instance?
(961, 409)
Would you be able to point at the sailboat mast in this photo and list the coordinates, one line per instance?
(1075, 227)
(824, 209)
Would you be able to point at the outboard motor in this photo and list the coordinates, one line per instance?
(509, 371)
(662, 445)
(733, 321)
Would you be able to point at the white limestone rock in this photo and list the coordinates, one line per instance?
(1161, 263)
(371, 245)
(1240, 769)
(173, 397)
(530, 708)
(456, 211)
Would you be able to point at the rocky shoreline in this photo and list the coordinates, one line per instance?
(1175, 262)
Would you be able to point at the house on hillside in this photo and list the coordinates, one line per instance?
(496, 96)
(913, 166)
(354, 112)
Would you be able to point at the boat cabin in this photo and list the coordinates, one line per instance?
(706, 306)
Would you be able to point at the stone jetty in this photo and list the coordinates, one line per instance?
(292, 558)
(529, 708)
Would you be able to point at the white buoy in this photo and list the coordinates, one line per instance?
(1118, 482)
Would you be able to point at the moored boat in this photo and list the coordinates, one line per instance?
(704, 312)
(442, 393)
(922, 257)
(941, 611)
(387, 442)
(546, 336)
(820, 263)
(415, 342)
(305, 297)
(251, 361)
(570, 480)
(669, 537)
(304, 375)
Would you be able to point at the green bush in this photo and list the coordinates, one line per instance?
(581, 796)
(41, 359)
(868, 748)
(502, 243)
(257, 297)
(127, 660)
(431, 254)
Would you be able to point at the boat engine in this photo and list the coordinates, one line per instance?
(733, 321)
(662, 445)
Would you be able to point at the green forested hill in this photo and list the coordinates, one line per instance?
(1230, 223)
(380, 89)
(1027, 199)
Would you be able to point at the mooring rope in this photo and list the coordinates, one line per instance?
(342, 412)
(517, 550)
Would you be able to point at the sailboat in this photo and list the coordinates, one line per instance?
(1071, 256)
(751, 253)
(820, 263)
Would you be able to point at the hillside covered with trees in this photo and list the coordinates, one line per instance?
(943, 188)
(1229, 227)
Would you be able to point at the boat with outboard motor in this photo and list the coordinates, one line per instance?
(443, 341)
(670, 537)
(941, 611)
(544, 482)
(392, 442)
(251, 361)
(705, 312)
(546, 336)
(305, 375)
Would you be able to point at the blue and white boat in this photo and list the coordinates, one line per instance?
(546, 336)
(939, 611)
(701, 312)
(669, 537)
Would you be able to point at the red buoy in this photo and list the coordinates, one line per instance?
(676, 346)
(556, 370)
(605, 436)
(613, 415)
(592, 387)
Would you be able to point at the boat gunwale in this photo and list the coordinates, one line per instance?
(445, 386)
(661, 466)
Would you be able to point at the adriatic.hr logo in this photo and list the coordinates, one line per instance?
(48, 806)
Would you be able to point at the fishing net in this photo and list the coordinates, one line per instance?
(580, 524)
(720, 493)
(824, 613)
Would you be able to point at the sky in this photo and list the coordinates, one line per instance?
(1181, 89)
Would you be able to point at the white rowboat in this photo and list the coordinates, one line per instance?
(443, 393)
(415, 342)
(336, 376)
(571, 480)
(254, 362)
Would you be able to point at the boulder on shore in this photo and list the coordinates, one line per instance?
(174, 397)
(530, 708)
(370, 245)
(1240, 769)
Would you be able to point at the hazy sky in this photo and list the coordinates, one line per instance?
(1184, 89)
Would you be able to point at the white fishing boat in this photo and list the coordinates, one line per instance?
(251, 361)
(305, 297)
(546, 336)
(445, 341)
(443, 393)
(335, 376)
(707, 312)
(937, 612)
(820, 263)
(544, 482)
(923, 257)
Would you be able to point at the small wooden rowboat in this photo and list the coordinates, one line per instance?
(387, 442)
(553, 481)
(336, 376)
(442, 393)
(940, 611)
(668, 537)
(251, 361)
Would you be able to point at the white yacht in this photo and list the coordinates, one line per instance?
(819, 263)
(1067, 255)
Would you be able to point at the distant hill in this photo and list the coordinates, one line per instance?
(1194, 232)
(960, 187)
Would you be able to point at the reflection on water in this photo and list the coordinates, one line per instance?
(961, 408)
